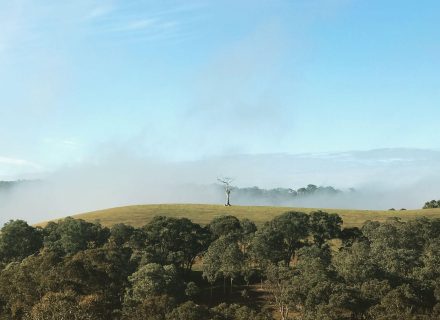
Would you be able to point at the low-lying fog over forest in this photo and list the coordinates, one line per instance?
(377, 179)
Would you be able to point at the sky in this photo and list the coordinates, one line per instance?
(186, 80)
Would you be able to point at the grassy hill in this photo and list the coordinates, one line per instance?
(139, 215)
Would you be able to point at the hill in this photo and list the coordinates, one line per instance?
(139, 215)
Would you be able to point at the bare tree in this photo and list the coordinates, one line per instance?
(228, 187)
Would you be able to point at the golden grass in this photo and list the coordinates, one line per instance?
(140, 215)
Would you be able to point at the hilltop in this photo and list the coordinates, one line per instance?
(139, 215)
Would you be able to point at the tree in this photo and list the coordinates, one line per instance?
(432, 204)
(350, 235)
(313, 283)
(324, 226)
(121, 234)
(228, 188)
(354, 264)
(232, 262)
(237, 312)
(268, 246)
(223, 258)
(395, 246)
(153, 280)
(22, 284)
(397, 304)
(189, 311)
(101, 270)
(279, 284)
(19, 240)
(211, 265)
(225, 226)
(248, 229)
(174, 241)
(70, 236)
(278, 239)
(149, 308)
(311, 188)
(67, 305)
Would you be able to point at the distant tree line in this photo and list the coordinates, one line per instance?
(8, 185)
(432, 204)
(4, 185)
(300, 266)
(284, 194)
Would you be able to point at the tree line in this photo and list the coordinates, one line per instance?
(433, 204)
(301, 266)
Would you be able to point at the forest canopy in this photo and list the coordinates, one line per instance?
(296, 266)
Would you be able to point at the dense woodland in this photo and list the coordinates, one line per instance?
(296, 266)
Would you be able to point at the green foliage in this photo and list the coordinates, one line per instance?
(225, 226)
(121, 234)
(237, 312)
(174, 241)
(70, 235)
(385, 270)
(223, 258)
(355, 263)
(280, 286)
(67, 305)
(279, 238)
(280, 195)
(189, 311)
(324, 226)
(433, 204)
(19, 240)
(153, 280)
(149, 308)
(192, 290)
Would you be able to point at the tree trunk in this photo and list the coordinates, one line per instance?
(284, 311)
(224, 285)
(228, 193)
(231, 286)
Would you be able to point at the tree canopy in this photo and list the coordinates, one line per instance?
(301, 266)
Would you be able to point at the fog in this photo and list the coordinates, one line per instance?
(398, 178)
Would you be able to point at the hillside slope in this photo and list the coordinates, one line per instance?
(139, 215)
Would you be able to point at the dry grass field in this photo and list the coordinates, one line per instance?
(139, 215)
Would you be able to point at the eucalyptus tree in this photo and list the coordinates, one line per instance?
(19, 240)
(227, 185)
(70, 235)
(223, 258)
(324, 226)
(225, 226)
(279, 238)
(176, 241)
(280, 286)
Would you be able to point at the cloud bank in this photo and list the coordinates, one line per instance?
(400, 178)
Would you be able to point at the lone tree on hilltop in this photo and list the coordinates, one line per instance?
(228, 188)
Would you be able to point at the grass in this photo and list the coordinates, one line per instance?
(139, 215)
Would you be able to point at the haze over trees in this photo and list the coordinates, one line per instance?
(279, 196)
(296, 266)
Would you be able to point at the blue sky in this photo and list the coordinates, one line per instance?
(182, 80)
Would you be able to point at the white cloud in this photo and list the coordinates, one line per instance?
(100, 11)
(17, 162)
(140, 24)
(15, 168)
